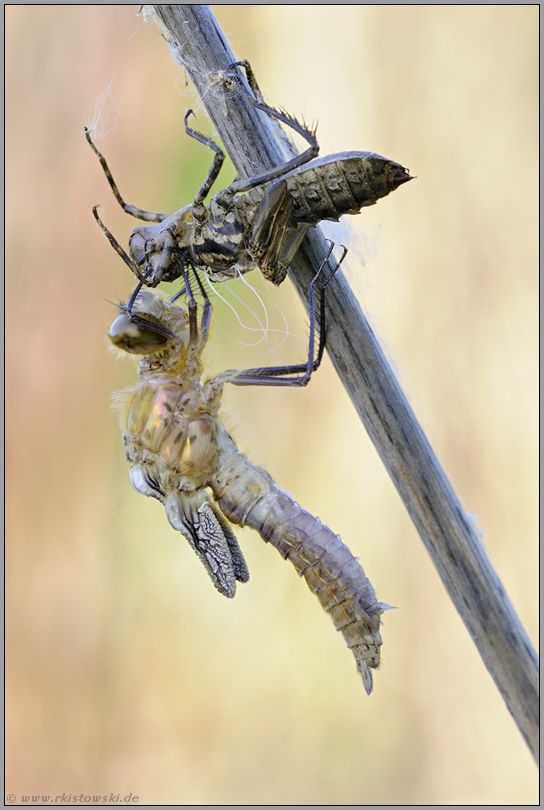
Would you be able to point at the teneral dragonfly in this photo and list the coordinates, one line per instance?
(181, 454)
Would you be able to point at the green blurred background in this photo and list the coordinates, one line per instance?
(112, 683)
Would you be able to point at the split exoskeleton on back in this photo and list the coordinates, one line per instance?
(258, 222)
(180, 453)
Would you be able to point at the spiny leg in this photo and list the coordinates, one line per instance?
(279, 375)
(218, 159)
(258, 102)
(148, 216)
(244, 185)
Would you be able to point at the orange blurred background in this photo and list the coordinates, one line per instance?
(112, 686)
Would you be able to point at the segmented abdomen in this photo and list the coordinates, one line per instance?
(247, 495)
(328, 187)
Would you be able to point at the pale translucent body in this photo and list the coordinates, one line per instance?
(181, 454)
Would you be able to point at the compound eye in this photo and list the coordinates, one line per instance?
(134, 338)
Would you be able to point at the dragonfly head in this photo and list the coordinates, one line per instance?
(136, 336)
(159, 246)
(153, 325)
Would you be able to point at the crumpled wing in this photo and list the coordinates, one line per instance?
(196, 517)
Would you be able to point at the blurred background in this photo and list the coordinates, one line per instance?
(112, 683)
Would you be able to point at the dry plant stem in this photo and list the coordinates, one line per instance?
(254, 144)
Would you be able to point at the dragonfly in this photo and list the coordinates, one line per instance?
(181, 454)
(258, 222)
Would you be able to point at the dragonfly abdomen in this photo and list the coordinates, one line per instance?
(329, 187)
(248, 496)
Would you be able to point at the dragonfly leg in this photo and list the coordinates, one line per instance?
(256, 101)
(218, 159)
(139, 213)
(191, 305)
(117, 247)
(296, 375)
(322, 333)
(250, 76)
(197, 343)
(206, 309)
